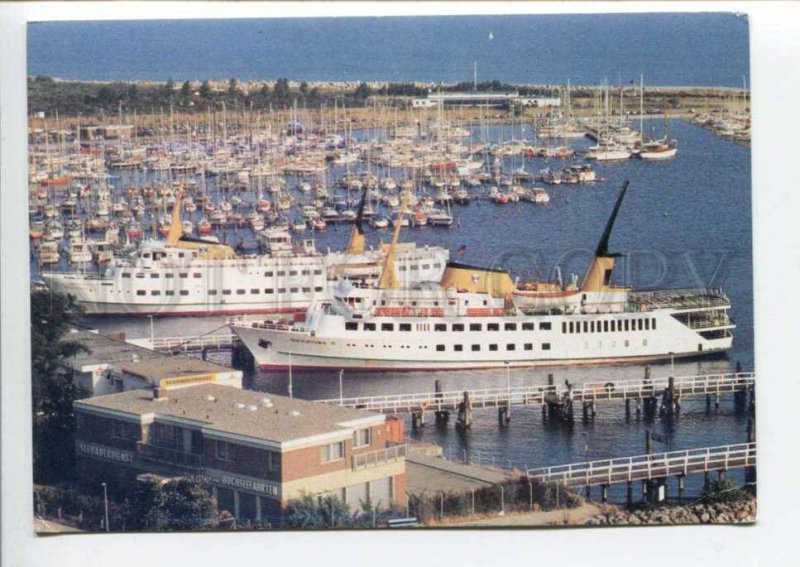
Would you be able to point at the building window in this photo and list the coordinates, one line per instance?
(224, 451)
(458, 327)
(492, 326)
(458, 348)
(492, 347)
(350, 326)
(528, 326)
(273, 461)
(545, 326)
(440, 348)
(440, 327)
(545, 346)
(333, 452)
(362, 438)
(165, 435)
(387, 326)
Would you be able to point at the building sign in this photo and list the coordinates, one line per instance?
(188, 380)
(105, 453)
(236, 482)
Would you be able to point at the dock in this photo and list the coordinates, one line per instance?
(560, 400)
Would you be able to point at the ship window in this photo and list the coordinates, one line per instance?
(146, 255)
(180, 254)
(306, 289)
(586, 326)
(545, 346)
(212, 292)
(197, 275)
(305, 272)
(613, 326)
(140, 292)
(510, 327)
(317, 272)
(170, 292)
(475, 327)
(654, 324)
(492, 326)
(577, 326)
(426, 266)
(402, 268)
(369, 326)
(627, 343)
(476, 348)
(441, 327)
(139, 275)
(169, 275)
(269, 290)
(125, 275)
(350, 326)
(492, 347)
(155, 292)
(511, 346)
(644, 342)
(647, 324)
(318, 288)
(605, 326)
(627, 324)
(458, 327)
(405, 326)
(255, 291)
(437, 265)
(153, 275)
(387, 326)
(571, 327)
(458, 348)
(268, 274)
(281, 273)
(563, 327)
(485, 302)
(292, 272)
(281, 290)
(527, 326)
(528, 346)
(184, 292)
(240, 292)
(183, 275)
(439, 348)
(413, 267)
(544, 326)
(293, 290)
(591, 327)
(226, 292)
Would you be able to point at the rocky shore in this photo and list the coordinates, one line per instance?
(738, 512)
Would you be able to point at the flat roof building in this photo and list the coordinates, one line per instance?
(258, 451)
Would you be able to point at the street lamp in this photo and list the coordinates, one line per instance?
(105, 502)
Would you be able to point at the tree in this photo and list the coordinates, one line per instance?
(310, 512)
(362, 91)
(53, 390)
(186, 90)
(233, 90)
(282, 93)
(205, 91)
(181, 504)
(303, 88)
(169, 89)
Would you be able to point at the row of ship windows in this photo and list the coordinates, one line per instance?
(268, 274)
(253, 291)
(443, 327)
(612, 326)
(413, 267)
(493, 347)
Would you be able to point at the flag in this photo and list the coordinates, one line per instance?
(461, 250)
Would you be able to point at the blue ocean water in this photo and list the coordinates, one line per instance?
(702, 49)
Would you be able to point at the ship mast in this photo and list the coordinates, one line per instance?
(356, 244)
(388, 279)
(176, 228)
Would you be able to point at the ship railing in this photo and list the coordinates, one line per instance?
(380, 457)
(679, 298)
(646, 467)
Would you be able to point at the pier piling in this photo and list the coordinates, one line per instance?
(629, 494)
(464, 419)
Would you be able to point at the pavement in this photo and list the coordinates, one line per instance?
(433, 474)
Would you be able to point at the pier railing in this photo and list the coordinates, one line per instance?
(616, 390)
(186, 344)
(648, 467)
(379, 457)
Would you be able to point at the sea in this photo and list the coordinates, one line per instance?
(669, 49)
(685, 222)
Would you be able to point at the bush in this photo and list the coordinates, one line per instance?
(723, 490)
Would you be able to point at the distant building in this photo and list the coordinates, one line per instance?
(257, 451)
(539, 102)
(111, 365)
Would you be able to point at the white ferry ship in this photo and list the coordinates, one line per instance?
(190, 276)
(478, 318)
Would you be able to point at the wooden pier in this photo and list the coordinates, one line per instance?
(664, 394)
(200, 343)
(652, 470)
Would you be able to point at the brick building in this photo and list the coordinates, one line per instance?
(257, 451)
